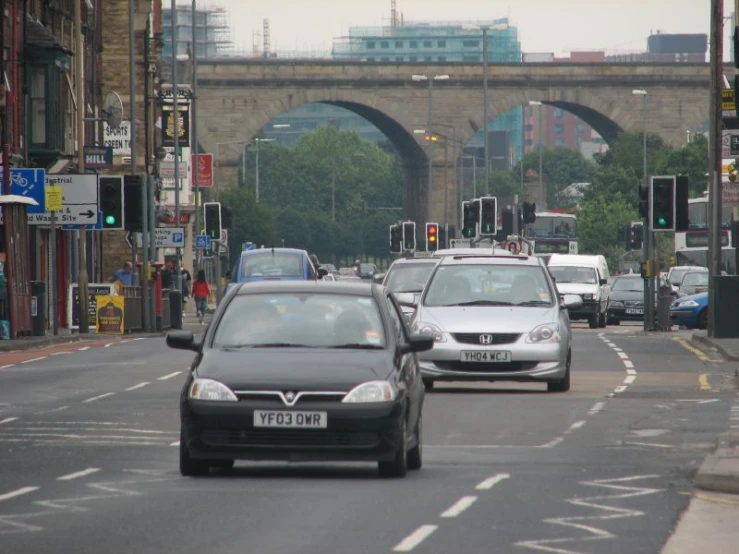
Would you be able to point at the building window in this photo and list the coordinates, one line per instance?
(428, 58)
(414, 44)
(558, 113)
(37, 93)
(559, 129)
(441, 43)
(370, 45)
(471, 58)
(427, 44)
(471, 43)
(559, 142)
(384, 59)
(399, 58)
(370, 59)
(398, 44)
(414, 58)
(384, 44)
(580, 127)
(441, 58)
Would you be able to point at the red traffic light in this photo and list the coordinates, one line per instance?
(432, 235)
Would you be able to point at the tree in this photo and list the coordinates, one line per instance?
(615, 181)
(691, 160)
(628, 151)
(560, 168)
(599, 220)
(251, 221)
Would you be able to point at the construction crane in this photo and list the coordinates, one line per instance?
(265, 38)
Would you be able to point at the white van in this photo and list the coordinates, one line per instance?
(588, 277)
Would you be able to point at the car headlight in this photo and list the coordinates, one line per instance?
(208, 389)
(544, 333)
(372, 391)
(429, 329)
(687, 304)
(588, 297)
(617, 304)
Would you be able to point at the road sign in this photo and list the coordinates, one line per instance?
(224, 237)
(460, 243)
(90, 227)
(29, 183)
(98, 157)
(118, 138)
(164, 237)
(248, 246)
(202, 242)
(80, 200)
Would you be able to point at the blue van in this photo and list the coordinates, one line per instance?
(279, 264)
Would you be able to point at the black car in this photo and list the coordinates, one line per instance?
(303, 371)
(627, 299)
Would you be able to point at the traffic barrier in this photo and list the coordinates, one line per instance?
(133, 309)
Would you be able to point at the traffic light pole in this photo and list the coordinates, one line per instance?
(648, 234)
(176, 133)
(83, 278)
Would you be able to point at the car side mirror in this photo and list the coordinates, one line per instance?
(407, 299)
(182, 340)
(321, 272)
(604, 281)
(571, 301)
(378, 278)
(673, 292)
(418, 343)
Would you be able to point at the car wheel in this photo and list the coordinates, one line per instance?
(562, 385)
(703, 319)
(398, 466)
(602, 320)
(190, 467)
(415, 454)
(593, 321)
(428, 384)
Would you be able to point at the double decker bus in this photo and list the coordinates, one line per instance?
(691, 246)
(553, 232)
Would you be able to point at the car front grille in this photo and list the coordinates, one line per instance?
(274, 398)
(497, 338)
(287, 437)
(634, 304)
(492, 367)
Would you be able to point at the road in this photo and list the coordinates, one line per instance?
(88, 451)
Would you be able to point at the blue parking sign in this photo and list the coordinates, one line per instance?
(31, 183)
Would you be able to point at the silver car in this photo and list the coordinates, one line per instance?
(494, 318)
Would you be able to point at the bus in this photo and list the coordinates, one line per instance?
(691, 246)
(553, 232)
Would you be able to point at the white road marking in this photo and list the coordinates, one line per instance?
(616, 349)
(699, 401)
(576, 425)
(623, 355)
(18, 492)
(140, 338)
(597, 407)
(84, 348)
(124, 341)
(628, 364)
(490, 482)
(600, 335)
(631, 371)
(620, 389)
(552, 443)
(60, 353)
(61, 408)
(656, 445)
(34, 360)
(98, 397)
(6, 366)
(175, 443)
(109, 344)
(8, 420)
(415, 538)
(629, 379)
(169, 376)
(459, 506)
(478, 446)
(77, 474)
(138, 386)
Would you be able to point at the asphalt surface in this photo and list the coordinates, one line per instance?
(88, 458)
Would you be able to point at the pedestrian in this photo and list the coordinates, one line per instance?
(201, 293)
(124, 275)
(186, 282)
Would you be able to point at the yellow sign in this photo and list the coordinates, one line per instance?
(728, 100)
(109, 317)
(53, 199)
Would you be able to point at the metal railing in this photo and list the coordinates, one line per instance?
(133, 309)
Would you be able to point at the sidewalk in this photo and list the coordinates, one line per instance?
(728, 348)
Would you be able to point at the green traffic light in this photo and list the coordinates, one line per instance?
(662, 221)
(109, 220)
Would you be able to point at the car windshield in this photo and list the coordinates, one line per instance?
(488, 285)
(408, 277)
(347, 271)
(676, 276)
(312, 320)
(695, 279)
(271, 265)
(631, 284)
(573, 274)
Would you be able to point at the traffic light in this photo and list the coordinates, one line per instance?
(133, 213)
(432, 237)
(396, 239)
(212, 219)
(636, 235)
(110, 201)
(529, 212)
(488, 215)
(469, 220)
(409, 236)
(662, 216)
(507, 223)
(226, 217)
(643, 202)
(682, 186)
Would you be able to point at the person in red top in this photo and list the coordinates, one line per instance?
(201, 293)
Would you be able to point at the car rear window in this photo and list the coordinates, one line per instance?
(271, 265)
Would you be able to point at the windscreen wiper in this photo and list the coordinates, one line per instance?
(359, 346)
(483, 303)
(534, 303)
(266, 345)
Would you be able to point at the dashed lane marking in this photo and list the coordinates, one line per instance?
(83, 348)
(8, 420)
(175, 443)
(98, 397)
(17, 492)
(6, 366)
(459, 506)
(169, 376)
(597, 407)
(415, 538)
(78, 474)
(34, 360)
(629, 379)
(552, 443)
(61, 353)
(490, 482)
(140, 385)
(628, 365)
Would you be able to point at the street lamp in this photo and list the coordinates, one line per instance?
(431, 80)
(647, 250)
(538, 117)
(256, 168)
(485, 29)
(431, 138)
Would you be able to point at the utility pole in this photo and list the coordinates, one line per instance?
(715, 132)
(176, 133)
(194, 124)
(485, 107)
(79, 58)
(429, 131)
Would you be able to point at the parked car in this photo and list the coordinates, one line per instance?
(693, 282)
(627, 298)
(690, 311)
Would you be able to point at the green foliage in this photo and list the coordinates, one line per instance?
(599, 220)
(251, 221)
(560, 168)
(691, 160)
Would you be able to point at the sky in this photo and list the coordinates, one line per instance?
(557, 26)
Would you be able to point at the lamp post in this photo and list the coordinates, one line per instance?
(431, 80)
(485, 29)
(648, 236)
(432, 137)
(256, 167)
(540, 146)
